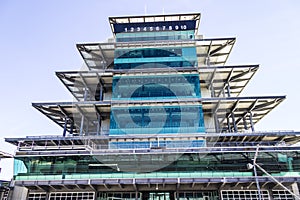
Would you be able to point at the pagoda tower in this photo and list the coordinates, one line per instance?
(157, 114)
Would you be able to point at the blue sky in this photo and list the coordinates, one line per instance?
(38, 38)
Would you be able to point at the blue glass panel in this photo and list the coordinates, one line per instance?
(157, 144)
(157, 64)
(19, 167)
(160, 86)
(76, 166)
(153, 57)
(156, 120)
(151, 36)
(149, 52)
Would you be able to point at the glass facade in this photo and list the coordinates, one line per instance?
(155, 119)
(157, 144)
(156, 87)
(187, 165)
(155, 58)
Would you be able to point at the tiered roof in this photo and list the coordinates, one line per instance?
(235, 114)
(225, 82)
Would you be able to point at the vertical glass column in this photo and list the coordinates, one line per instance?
(155, 85)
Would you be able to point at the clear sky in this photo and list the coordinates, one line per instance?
(38, 38)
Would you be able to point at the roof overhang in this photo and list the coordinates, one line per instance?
(212, 139)
(223, 108)
(153, 184)
(215, 78)
(5, 155)
(213, 51)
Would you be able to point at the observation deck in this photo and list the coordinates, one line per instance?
(118, 24)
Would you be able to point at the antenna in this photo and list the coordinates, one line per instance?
(163, 11)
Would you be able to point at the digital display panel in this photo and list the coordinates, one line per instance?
(155, 26)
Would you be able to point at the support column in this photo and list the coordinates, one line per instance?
(82, 116)
(251, 122)
(212, 89)
(87, 127)
(290, 164)
(208, 60)
(255, 173)
(85, 94)
(295, 189)
(19, 145)
(72, 127)
(228, 124)
(233, 122)
(101, 93)
(47, 195)
(245, 123)
(228, 90)
(104, 64)
(136, 195)
(176, 195)
(270, 194)
(65, 127)
(223, 92)
(81, 125)
(98, 124)
(217, 125)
